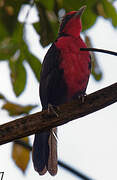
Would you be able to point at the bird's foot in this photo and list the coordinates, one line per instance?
(82, 97)
(53, 109)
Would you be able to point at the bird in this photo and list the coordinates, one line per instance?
(64, 76)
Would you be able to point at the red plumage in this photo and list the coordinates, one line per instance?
(75, 64)
(64, 76)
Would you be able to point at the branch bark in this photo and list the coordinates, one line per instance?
(42, 121)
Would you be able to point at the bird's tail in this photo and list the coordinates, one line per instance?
(44, 152)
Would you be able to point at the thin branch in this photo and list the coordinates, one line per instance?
(99, 50)
(41, 121)
(60, 163)
(73, 171)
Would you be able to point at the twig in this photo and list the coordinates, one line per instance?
(42, 121)
(99, 50)
(73, 171)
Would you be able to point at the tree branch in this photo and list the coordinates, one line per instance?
(42, 121)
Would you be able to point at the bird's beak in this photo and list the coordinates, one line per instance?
(80, 11)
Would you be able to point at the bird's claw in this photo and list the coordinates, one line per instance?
(82, 97)
(53, 109)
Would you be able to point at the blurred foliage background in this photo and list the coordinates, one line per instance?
(15, 49)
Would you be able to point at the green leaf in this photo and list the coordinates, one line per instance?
(86, 24)
(7, 48)
(88, 18)
(110, 11)
(10, 44)
(3, 31)
(71, 5)
(34, 64)
(18, 75)
(9, 13)
(47, 4)
(16, 51)
(45, 29)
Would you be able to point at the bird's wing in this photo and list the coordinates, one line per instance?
(52, 84)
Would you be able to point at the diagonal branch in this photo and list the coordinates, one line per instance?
(42, 121)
